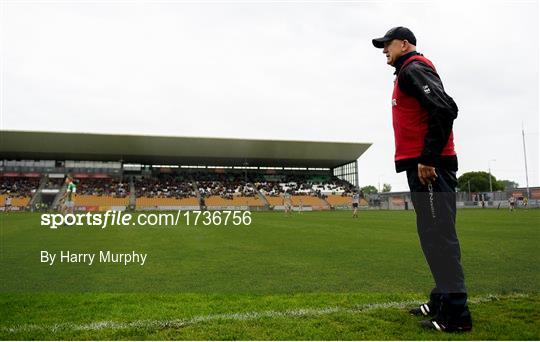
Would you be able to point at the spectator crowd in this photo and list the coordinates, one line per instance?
(18, 186)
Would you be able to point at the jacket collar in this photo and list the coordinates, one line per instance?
(399, 62)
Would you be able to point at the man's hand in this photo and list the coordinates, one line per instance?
(426, 174)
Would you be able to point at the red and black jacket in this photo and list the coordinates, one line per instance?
(423, 116)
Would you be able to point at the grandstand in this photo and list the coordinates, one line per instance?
(165, 173)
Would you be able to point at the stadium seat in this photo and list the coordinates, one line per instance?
(235, 201)
(336, 200)
(164, 201)
(311, 201)
(16, 201)
(93, 200)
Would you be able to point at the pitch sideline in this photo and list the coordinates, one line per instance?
(179, 323)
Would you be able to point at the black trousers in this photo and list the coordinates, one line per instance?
(435, 207)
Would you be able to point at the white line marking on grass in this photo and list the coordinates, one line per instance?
(245, 316)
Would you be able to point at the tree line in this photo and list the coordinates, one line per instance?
(474, 181)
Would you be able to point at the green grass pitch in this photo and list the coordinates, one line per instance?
(311, 276)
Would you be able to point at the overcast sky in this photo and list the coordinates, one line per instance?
(272, 70)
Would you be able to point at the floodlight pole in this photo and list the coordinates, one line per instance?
(525, 157)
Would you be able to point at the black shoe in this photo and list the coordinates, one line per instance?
(450, 323)
(426, 310)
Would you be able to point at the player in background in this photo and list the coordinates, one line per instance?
(7, 203)
(69, 196)
(287, 202)
(512, 202)
(355, 203)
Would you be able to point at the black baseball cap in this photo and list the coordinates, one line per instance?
(399, 32)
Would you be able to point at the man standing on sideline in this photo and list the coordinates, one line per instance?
(423, 115)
